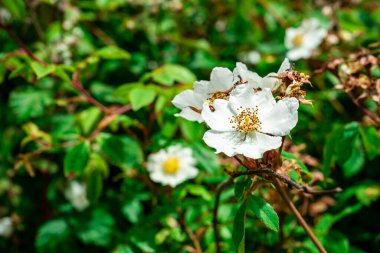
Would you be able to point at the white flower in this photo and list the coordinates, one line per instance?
(302, 40)
(222, 81)
(6, 227)
(270, 81)
(251, 57)
(5, 16)
(250, 123)
(172, 166)
(76, 194)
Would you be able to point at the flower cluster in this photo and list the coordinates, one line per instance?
(248, 114)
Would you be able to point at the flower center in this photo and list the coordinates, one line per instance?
(246, 121)
(298, 39)
(171, 165)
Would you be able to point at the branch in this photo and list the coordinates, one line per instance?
(21, 44)
(299, 217)
(290, 183)
(190, 233)
(219, 190)
(78, 86)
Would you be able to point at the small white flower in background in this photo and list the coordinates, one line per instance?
(5, 16)
(222, 80)
(250, 123)
(172, 166)
(6, 227)
(76, 194)
(301, 41)
(251, 57)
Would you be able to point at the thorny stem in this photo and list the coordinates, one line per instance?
(219, 190)
(299, 217)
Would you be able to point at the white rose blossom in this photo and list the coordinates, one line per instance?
(222, 80)
(301, 41)
(249, 123)
(76, 194)
(6, 227)
(172, 166)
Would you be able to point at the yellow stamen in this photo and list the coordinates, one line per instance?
(171, 165)
(298, 40)
(246, 121)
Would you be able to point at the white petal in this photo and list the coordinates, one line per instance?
(240, 71)
(202, 87)
(285, 65)
(190, 114)
(188, 98)
(254, 80)
(223, 142)
(247, 98)
(221, 79)
(299, 53)
(281, 118)
(255, 144)
(219, 119)
(271, 82)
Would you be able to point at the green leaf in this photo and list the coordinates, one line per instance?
(336, 242)
(355, 163)
(206, 158)
(16, 8)
(3, 71)
(239, 188)
(95, 171)
(171, 73)
(98, 230)
(192, 131)
(51, 235)
(371, 141)
(41, 70)
(347, 140)
(141, 97)
(113, 53)
(132, 210)
(88, 118)
(329, 151)
(264, 211)
(29, 103)
(238, 233)
(121, 150)
(198, 190)
(94, 185)
(76, 159)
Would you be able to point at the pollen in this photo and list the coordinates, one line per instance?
(298, 39)
(171, 165)
(246, 121)
(217, 95)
